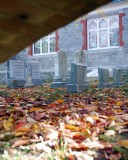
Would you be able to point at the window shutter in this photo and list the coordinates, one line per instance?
(57, 40)
(121, 28)
(30, 50)
(84, 34)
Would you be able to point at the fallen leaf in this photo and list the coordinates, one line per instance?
(119, 103)
(109, 132)
(35, 127)
(123, 143)
(78, 137)
(25, 128)
(20, 142)
(33, 109)
(7, 125)
(19, 124)
(30, 120)
(72, 128)
(60, 100)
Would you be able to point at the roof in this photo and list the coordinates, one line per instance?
(112, 6)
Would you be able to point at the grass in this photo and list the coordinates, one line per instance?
(107, 138)
(4, 93)
(52, 95)
(122, 150)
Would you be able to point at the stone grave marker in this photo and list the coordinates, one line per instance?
(15, 74)
(126, 76)
(79, 57)
(103, 77)
(117, 77)
(33, 74)
(28, 81)
(61, 70)
(78, 82)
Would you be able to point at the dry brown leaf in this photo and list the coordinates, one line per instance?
(123, 143)
(20, 143)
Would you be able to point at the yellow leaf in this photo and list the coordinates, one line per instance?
(86, 132)
(19, 133)
(11, 119)
(60, 100)
(118, 103)
(7, 125)
(95, 117)
(111, 118)
(72, 128)
(35, 109)
(123, 143)
(119, 110)
(35, 127)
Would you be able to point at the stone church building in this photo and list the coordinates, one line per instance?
(102, 35)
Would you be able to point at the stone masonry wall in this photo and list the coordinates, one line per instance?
(3, 67)
(108, 58)
(3, 73)
(116, 57)
(71, 39)
(47, 65)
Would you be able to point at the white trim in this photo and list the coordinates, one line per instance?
(97, 32)
(42, 54)
(104, 48)
(40, 44)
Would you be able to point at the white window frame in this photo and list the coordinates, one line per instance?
(40, 41)
(97, 30)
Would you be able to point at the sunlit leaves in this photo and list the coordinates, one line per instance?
(65, 126)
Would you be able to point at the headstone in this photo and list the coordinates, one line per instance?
(103, 77)
(28, 81)
(77, 73)
(79, 57)
(117, 77)
(16, 74)
(126, 76)
(77, 78)
(33, 73)
(61, 70)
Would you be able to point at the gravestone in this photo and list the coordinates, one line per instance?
(15, 74)
(78, 82)
(117, 77)
(126, 76)
(28, 81)
(103, 77)
(61, 70)
(79, 57)
(33, 77)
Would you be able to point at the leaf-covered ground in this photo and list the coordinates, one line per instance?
(50, 124)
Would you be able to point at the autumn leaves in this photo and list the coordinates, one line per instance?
(64, 125)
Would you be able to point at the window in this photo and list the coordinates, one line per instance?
(103, 32)
(45, 45)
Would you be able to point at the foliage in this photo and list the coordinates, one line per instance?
(50, 124)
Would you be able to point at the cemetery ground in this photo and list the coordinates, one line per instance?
(50, 124)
